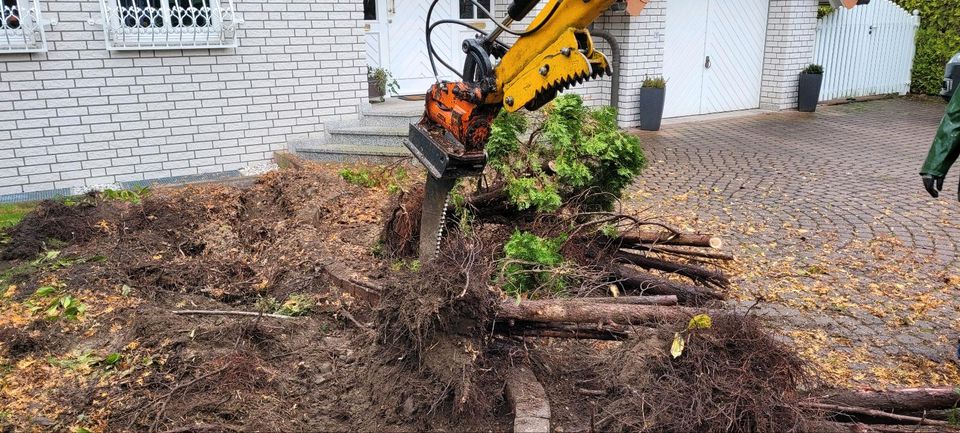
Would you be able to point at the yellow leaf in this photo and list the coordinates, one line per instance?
(676, 349)
(614, 291)
(700, 321)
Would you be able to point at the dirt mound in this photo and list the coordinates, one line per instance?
(424, 358)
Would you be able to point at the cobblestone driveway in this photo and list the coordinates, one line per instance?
(854, 261)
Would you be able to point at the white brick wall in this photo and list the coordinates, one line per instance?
(80, 115)
(791, 36)
(641, 45)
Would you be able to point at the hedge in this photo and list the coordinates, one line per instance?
(937, 41)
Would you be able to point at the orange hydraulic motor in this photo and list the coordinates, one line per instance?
(459, 107)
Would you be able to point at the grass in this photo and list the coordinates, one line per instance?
(11, 214)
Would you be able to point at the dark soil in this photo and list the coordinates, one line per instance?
(422, 358)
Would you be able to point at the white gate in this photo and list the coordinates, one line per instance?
(867, 50)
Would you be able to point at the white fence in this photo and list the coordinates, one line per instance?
(867, 50)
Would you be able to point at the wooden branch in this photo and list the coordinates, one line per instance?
(643, 283)
(841, 427)
(231, 313)
(667, 238)
(855, 410)
(579, 334)
(555, 330)
(899, 400)
(675, 251)
(694, 273)
(666, 300)
(560, 311)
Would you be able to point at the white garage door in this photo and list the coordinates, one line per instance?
(713, 55)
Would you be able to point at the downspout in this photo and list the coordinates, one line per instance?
(615, 78)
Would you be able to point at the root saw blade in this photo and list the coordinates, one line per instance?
(435, 202)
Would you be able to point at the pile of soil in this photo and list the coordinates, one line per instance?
(421, 356)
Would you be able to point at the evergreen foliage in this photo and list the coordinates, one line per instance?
(570, 150)
(938, 39)
(531, 261)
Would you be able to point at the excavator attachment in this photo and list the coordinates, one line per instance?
(569, 60)
(555, 52)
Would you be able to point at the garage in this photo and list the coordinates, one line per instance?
(713, 55)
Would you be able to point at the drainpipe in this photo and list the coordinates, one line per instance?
(615, 79)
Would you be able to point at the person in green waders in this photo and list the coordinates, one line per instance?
(945, 149)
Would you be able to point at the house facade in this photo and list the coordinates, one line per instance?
(716, 56)
(115, 92)
(118, 92)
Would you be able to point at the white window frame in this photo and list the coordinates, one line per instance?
(30, 36)
(220, 32)
(475, 15)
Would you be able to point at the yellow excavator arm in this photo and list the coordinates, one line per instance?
(555, 52)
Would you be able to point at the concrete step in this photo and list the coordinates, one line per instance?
(353, 153)
(387, 136)
(389, 119)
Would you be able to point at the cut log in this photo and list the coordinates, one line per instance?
(639, 282)
(840, 427)
(681, 252)
(859, 410)
(550, 330)
(666, 300)
(898, 400)
(694, 273)
(560, 311)
(668, 238)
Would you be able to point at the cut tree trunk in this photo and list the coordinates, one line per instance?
(841, 427)
(668, 238)
(898, 400)
(675, 251)
(562, 311)
(667, 300)
(694, 273)
(551, 330)
(859, 410)
(640, 282)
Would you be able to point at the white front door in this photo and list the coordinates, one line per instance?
(713, 55)
(376, 33)
(409, 62)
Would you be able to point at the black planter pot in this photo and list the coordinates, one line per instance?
(374, 92)
(809, 92)
(651, 108)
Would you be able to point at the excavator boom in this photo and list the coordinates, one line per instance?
(553, 53)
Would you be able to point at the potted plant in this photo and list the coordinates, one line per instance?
(809, 92)
(652, 94)
(379, 82)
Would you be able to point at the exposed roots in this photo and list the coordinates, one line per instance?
(731, 378)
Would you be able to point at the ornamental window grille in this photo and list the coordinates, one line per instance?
(21, 27)
(169, 24)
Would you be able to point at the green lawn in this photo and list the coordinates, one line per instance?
(11, 214)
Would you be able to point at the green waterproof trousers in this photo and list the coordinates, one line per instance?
(946, 147)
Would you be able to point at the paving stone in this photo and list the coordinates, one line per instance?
(849, 174)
